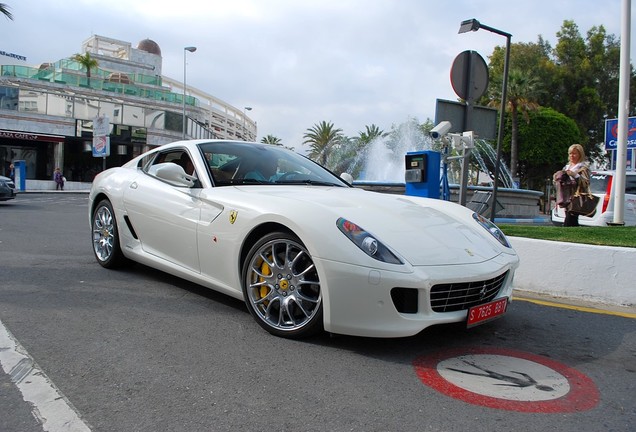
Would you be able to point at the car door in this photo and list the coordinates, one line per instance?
(630, 200)
(165, 218)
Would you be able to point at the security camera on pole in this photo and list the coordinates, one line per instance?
(463, 142)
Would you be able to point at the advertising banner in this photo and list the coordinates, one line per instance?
(101, 137)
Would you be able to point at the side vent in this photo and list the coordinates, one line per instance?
(405, 300)
(130, 228)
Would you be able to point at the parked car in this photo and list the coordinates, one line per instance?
(304, 249)
(602, 185)
(7, 188)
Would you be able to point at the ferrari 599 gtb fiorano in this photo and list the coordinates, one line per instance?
(305, 250)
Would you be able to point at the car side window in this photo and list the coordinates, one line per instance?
(178, 157)
(630, 185)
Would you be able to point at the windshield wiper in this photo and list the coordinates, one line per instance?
(253, 181)
(309, 182)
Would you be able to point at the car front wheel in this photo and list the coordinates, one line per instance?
(282, 288)
(106, 236)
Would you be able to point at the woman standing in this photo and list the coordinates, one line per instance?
(578, 172)
(59, 179)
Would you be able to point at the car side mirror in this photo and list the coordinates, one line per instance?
(347, 177)
(172, 173)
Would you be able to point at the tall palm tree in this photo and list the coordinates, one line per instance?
(524, 90)
(271, 139)
(321, 138)
(4, 9)
(87, 62)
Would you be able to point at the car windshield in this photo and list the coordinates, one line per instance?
(236, 163)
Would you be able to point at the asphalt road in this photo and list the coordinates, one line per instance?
(139, 350)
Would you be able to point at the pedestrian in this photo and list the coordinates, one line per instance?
(575, 176)
(12, 172)
(59, 179)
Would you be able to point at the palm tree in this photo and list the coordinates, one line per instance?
(87, 62)
(271, 139)
(4, 9)
(371, 132)
(524, 90)
(321, 138)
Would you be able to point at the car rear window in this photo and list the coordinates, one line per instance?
(598, 183)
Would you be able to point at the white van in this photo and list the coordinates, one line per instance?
(602, 185)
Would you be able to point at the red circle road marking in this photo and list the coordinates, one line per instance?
(582, 396)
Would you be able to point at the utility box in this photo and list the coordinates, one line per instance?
(422, 176)
(20, 175)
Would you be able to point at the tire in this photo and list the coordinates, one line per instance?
(106, 236)
(281, 287)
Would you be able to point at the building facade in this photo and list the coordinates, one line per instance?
(47, 112)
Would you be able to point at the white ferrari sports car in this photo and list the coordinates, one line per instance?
(305, 250)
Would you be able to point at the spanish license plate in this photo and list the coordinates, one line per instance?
(482, 313)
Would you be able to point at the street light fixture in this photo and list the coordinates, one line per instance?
(191, 49)
(474, 25)
(244, 128)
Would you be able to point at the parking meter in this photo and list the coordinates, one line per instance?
(422, 175)
(20, 175)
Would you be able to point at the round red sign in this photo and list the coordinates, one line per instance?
(506, 379)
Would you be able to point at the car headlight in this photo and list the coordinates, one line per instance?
(365, 241)
(492, 229)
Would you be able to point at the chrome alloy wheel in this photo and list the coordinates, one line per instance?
(282, 287)
(104, 233)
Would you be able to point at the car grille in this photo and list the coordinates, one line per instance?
(464, 295)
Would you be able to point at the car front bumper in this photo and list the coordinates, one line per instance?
(357, 300)
(7, 193)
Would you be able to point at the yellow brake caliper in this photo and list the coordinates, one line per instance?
(264, 290)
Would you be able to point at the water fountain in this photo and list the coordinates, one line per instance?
(382, 170)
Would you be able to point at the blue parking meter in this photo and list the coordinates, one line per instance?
(20, 175)
(422, 173)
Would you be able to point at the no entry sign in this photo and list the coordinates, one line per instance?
(509, 380)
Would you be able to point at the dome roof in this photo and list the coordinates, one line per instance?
(149, 46)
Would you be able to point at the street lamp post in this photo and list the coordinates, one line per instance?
(245, 115)
(191, 49)
(474, 25)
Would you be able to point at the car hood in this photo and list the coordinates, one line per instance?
(422, 231)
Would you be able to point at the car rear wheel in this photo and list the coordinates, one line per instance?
(282, 288)
(106, 236)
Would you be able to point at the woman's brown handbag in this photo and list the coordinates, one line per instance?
(583, 204)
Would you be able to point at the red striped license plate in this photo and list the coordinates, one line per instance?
(482, 313)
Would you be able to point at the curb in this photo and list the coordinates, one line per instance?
(599, 274)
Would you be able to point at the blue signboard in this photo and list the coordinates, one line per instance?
(611, 133)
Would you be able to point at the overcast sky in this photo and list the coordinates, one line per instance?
(299, 62)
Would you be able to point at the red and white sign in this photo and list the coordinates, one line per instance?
(101, 146)
(509, 380)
